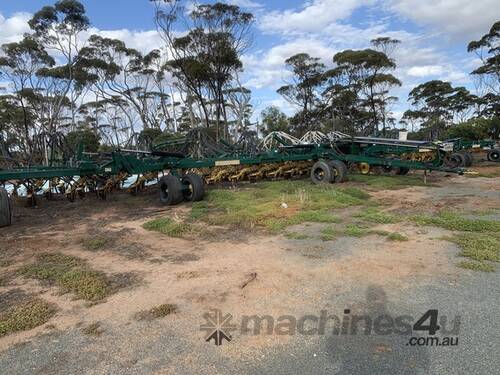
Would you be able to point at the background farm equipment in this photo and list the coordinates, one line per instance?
(464, 150)
(183, 166)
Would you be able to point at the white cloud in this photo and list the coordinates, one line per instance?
(246, 4)
(141, 40)
(313, 17)
(445, 72)
(348, 36)
(267, 69)
(410, 54)
(425, 70)
(456, 76)
(13, 28)
(277, 55)
(458, 18)
(265, 101)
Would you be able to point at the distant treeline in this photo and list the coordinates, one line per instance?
(64, 88)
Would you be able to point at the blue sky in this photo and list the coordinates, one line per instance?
(434, 35)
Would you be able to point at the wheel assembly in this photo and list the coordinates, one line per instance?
(403, 171)
(389, 170)
(193, 187)
(5, 208)
(321, 173)
(364, 168)
(170, 190)
(339, 171)
(494, 155)
(468, 160)
(455, 160)
(377, 170)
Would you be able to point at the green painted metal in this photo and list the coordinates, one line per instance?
(460, 144)
(140, 163)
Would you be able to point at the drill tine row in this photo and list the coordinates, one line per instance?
(254, 172)
(425, 156)
(140, 183)
(72, 188)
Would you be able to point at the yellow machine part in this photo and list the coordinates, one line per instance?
(364, 168)
(419, 156)
(234, 173)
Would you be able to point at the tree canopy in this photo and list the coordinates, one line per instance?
(64, 86)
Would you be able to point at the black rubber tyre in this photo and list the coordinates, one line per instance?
(339, 171)
(468, 160)
(455, 160)
(377, 170)
(170, 190)
(5, 208)
(389, 170)
(403, 171)
(193, 187)
(321, 173)
(494, 155)
(460, 157)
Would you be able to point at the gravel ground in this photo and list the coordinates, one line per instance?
(153, 348)
(370, 276)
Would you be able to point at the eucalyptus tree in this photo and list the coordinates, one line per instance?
(239, 108)
(303, 89)
(59, 28)
(19, 64)
(106, 117)
(361, 81)
(488, 73)
(15, 140)
(116, 71)
(273, 119)
(388, 46)
(385, 44)
(367, 74)
(488, 50)
(437, 104)
(206, 55)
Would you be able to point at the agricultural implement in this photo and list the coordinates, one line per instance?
(466, 148)
(182, 168)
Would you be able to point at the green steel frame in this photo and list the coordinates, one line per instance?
(136, 162)
(460, 144)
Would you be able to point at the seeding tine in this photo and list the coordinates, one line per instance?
(134, 187)
(242, 174)
(140, 182)
(70, 190)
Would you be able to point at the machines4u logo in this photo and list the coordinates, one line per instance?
(429, 323)
(420, 331)
(217, 326)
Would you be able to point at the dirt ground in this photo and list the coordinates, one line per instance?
(241, 273)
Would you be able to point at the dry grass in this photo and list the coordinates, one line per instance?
(70, 274)
(396, 237)
(477, 266)
(168, 226)
(157, 312)
(93, 329)
(454, 221)
(25, 316)
(479, 239)
(94, 243)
